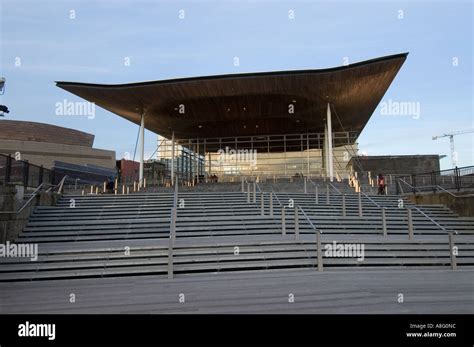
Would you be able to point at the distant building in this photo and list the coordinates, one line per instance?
(43, 144)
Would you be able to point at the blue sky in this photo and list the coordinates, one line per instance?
(92, 48)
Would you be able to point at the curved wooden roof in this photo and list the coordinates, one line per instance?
(252, 103)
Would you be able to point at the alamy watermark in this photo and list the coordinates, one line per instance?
(345, 250)
(19, 250)
(237, 155)
(75, 108)
(400, 108)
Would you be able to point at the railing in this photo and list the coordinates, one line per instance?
(328, 183)
(456, 178)
(370, 199)
(300, 208)
(21, 172)
(35, 193)
(427, 188)
(432, 220)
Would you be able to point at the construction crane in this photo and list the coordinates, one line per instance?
(454, 159)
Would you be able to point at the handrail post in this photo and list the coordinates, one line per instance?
(410, 224)
(319, 251)
(248, 192)
(283, 221)
(451, 251)
(359, 200)
(243, 188)
(297, 227)
(171, 243)
(316, 195)
(305, 186)
(343, 205)
(384, 222)
(262, 205)
(327, 194)
(270, 204)
(254, 192)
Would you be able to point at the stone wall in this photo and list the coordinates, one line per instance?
(462, 205)
(396, 164)
(11, 200)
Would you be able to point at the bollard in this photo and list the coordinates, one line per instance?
(327, 194)
(316, 195)
(305, 186)
(128, 190)
(134, 186)
(360, 205)
(262, 205)
(83, 192)
(451, 251)
(410, 224)
(297, 226)
(283, 222)
(384, 222)
(270, 203)
(343, 205)
(96, 190)
(92, 189)
(123, 189)
(144, 183)
(254, 192)
(105, 186)
(248, 192)
(319, 250)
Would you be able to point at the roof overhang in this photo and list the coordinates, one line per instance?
(250, 104)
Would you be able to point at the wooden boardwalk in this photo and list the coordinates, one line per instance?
(336, 291)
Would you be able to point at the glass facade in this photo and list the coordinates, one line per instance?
(264, 156)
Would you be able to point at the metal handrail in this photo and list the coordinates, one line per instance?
(337, 190)
(276, 196)
(417, 188)
(302, 210)
(311, 181)
(35, 193)
(307, 218)
(432, 220)
(259, 190)
(370, 199)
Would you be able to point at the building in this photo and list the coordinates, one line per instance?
(281, 123)
(44, 144)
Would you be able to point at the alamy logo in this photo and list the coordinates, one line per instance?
(400, 108)
(345, 250)
(37, 330)
(240, 156)
(78, 108)
(19, 250)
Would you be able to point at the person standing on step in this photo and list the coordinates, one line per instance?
(381, 184)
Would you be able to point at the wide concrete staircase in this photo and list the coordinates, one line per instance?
(128, 235)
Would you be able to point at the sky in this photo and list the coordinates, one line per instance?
(126, 41)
